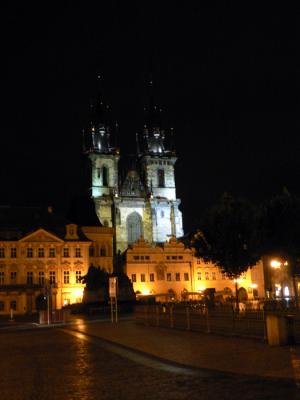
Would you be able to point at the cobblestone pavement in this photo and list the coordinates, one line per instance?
(51, 364)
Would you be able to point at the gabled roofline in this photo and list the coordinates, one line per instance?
(44, 231)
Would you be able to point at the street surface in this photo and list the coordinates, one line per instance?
(63, 363)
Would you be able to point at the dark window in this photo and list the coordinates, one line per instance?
(2, 252)
(41, 278)
(136, 257)
(78, 252)
(1, 305)
(13, 276)
(103, 251)
(143, 278)
(186, 276)
(91, 251)
(2, 278)
(52, 252)
(177, 276)
(161, 177)
(29, 252)
(66, 277)
(66, 252)
(151, 277)
(13, 305)
(13, 252)
(52, 277)
(29, 278)
(169, 276)
(147, 257)
(104, 176)
(78, 276)
(41, 252)
(134, 227)
(133, 278)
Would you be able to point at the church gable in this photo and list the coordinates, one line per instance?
(41, 236)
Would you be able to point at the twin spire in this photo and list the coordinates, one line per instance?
(101, 129)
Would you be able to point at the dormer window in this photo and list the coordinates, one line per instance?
(71, 231)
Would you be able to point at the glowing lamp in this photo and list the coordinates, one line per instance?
(275, 264)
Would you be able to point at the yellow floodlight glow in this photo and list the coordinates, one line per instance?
(145, 292)
(275, 264)
(79, 292)
(253, 285)
(238, 280)
(201, 289)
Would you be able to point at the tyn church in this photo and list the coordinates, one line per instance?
(140, 199)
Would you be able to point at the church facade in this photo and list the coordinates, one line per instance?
(142, 202)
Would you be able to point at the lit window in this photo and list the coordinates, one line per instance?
(207, 276)
(177, 276)
(66, 252)
(52, 252)
(52, 277)
(66, 277)
(41, 278)
(29, 252)
(2, 277)
(41, 252)
(133, 278)
(213, 276)
(151, 277)
(199, 276)
(78, 276)
(186, 276)
(143, 278)
(2, 252)
(29, 278)
(78, 252)
(13, 252)
(169, 276)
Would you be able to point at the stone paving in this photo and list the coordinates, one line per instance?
(235, 355)
(50, 364)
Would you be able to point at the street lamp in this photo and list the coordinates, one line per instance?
(276, 265)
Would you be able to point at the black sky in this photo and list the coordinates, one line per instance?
(224, 75)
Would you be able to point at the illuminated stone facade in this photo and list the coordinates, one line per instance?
(171, 271)
(33, 260)
(137, 199)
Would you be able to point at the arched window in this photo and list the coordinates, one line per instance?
(102, 251)
(104, 176)
(134, 227)
(161, 177)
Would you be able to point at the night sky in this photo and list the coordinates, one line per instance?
(224, 76)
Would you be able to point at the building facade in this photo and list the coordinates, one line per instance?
(137, 199)
(58, 255)
(171, 271)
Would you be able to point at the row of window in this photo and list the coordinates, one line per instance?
(93, 253)
(41, 277)
(160, 162)
(148, 257)
(177, 277)
(12, 305)
(40, 252)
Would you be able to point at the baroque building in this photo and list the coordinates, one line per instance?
(39, 248)
(138, 200)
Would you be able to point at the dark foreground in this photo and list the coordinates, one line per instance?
(54, 365)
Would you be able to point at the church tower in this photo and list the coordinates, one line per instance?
(104, 161)
(137, 198)
(157, 157)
